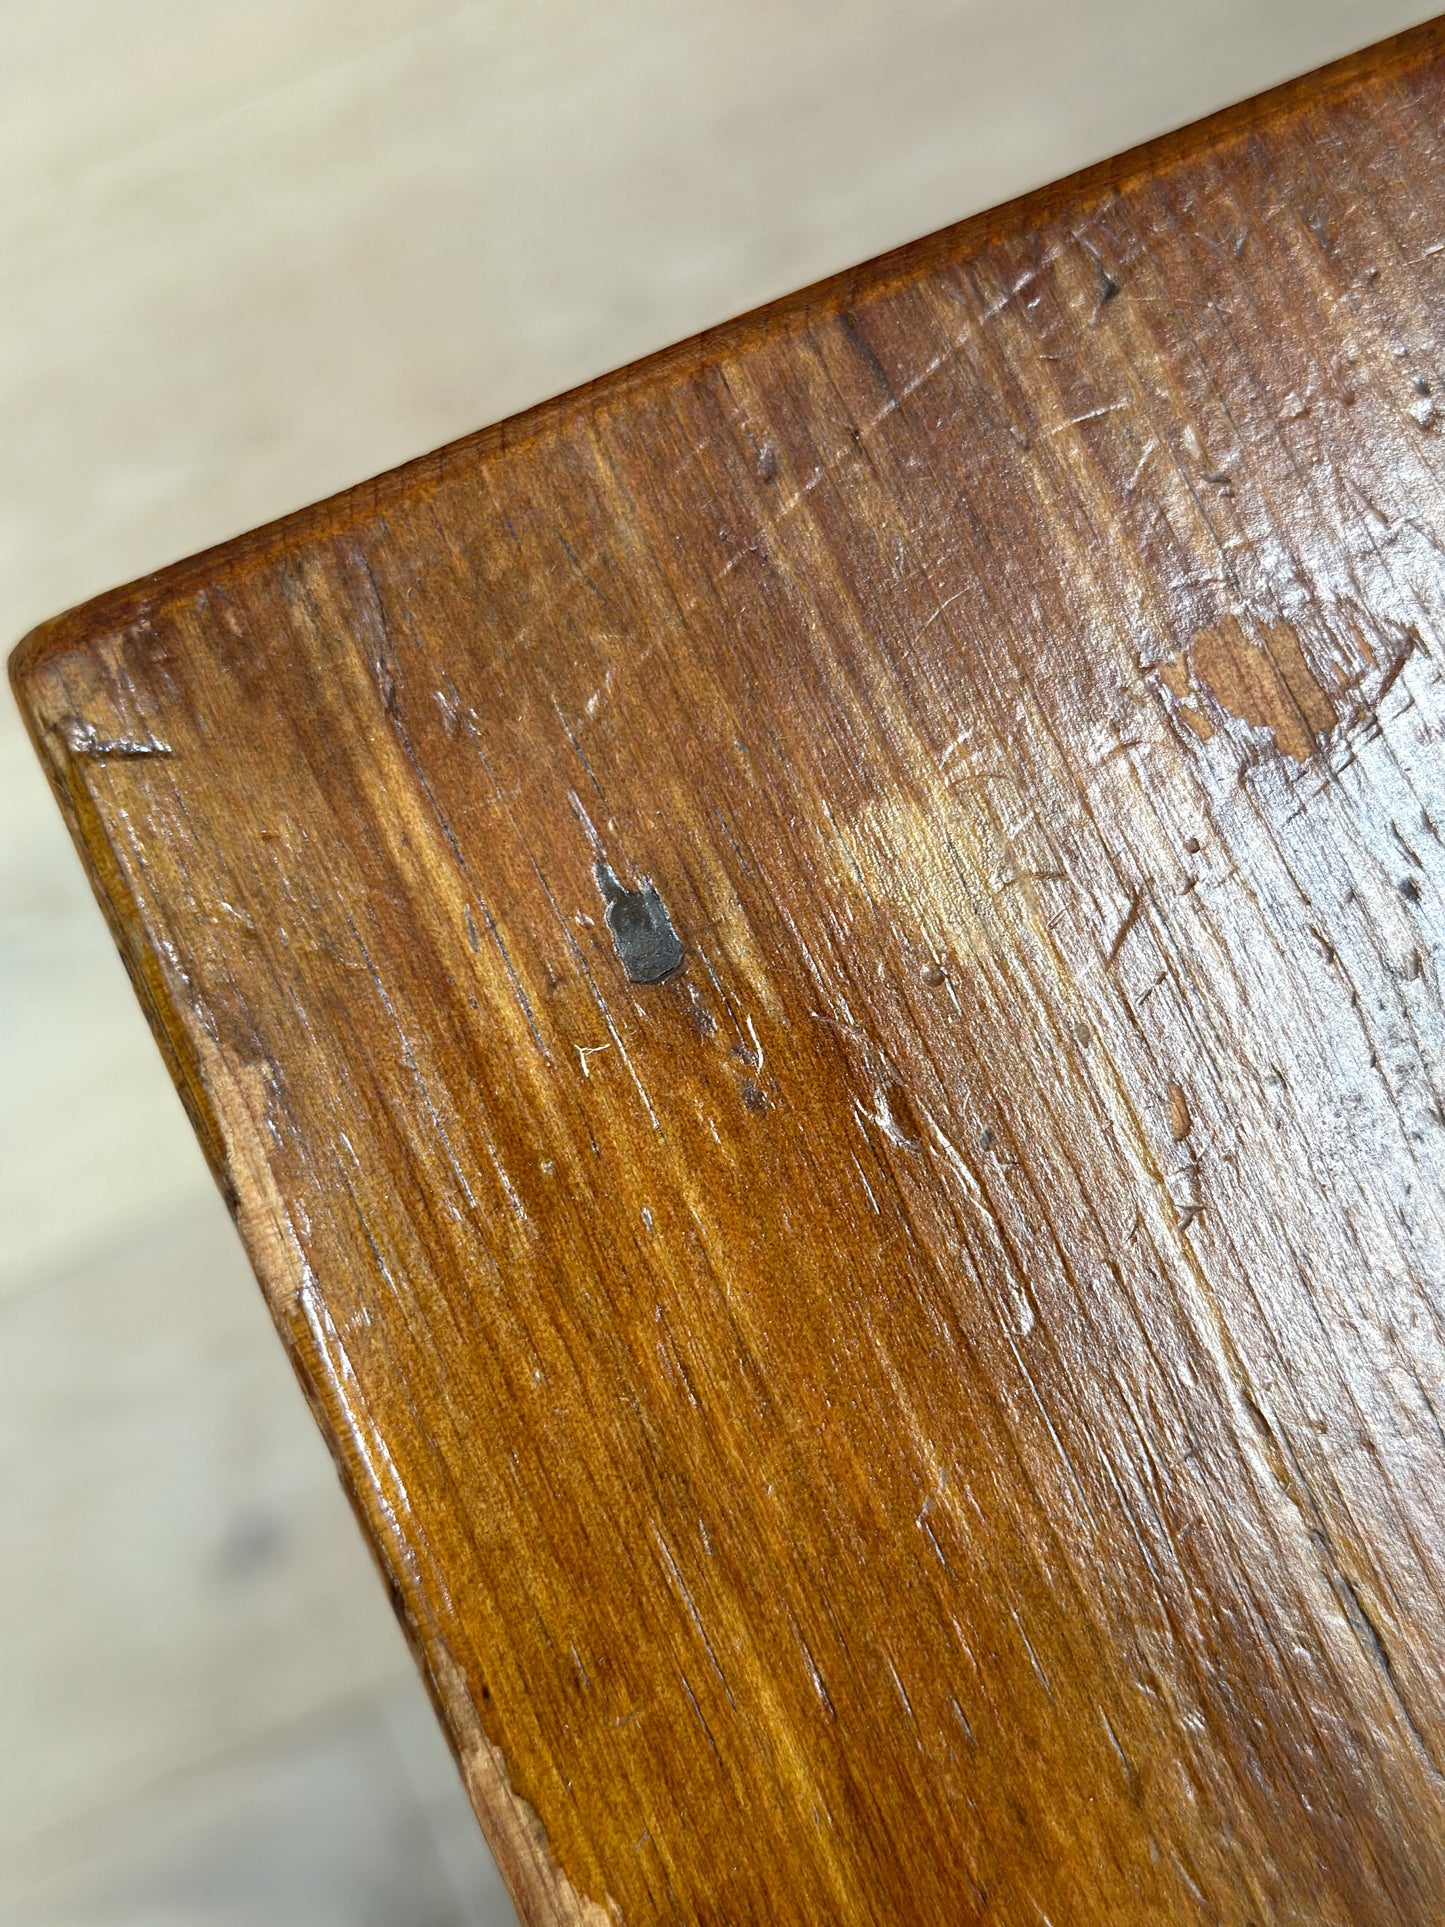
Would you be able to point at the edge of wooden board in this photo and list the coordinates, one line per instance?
(958, 242)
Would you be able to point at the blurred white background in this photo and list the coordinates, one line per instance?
(252, 251)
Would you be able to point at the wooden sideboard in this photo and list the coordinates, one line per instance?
(814, 974)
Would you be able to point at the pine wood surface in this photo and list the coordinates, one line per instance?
(814, 974)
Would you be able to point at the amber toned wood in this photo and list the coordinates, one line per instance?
(930, 1407)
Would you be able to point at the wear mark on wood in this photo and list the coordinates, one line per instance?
(1264, 681)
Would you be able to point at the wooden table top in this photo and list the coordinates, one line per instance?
(814, 972)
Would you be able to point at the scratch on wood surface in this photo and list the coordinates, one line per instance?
(1089, 415)
(1121, 935)
(882, 1115)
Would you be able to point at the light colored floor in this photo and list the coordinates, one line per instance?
(250, 253)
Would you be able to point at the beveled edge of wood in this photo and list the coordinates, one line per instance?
(113, 609)
(540, 1887)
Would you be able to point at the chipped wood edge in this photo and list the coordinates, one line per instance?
(544, 1895)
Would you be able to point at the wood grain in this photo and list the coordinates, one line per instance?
(928, 1409)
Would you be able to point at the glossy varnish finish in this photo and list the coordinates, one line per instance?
(932, 1408)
